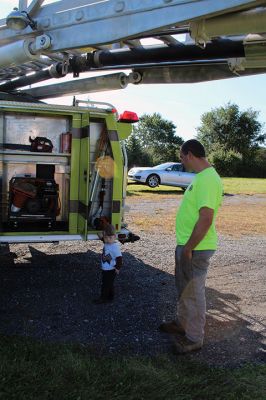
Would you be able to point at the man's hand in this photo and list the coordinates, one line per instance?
(186, 255)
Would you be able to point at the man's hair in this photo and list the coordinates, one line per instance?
(195, 147)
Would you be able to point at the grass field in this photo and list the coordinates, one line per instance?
(39, 371)
(231, 186)
(244, 185)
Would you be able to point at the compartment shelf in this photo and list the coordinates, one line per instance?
(15, 156)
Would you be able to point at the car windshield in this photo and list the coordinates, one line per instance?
(163, 166)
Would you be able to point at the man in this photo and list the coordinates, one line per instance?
(196, 243)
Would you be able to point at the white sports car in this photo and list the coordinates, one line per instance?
(171, 174)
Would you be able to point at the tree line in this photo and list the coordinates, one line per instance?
(233, 140)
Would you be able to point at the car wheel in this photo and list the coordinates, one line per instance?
(153, 180)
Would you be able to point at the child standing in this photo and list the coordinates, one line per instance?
(111, 262)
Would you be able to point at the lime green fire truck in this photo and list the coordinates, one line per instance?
(63, 171)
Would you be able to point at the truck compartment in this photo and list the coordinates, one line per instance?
(47, 184)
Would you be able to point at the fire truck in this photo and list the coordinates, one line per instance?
(63, 168)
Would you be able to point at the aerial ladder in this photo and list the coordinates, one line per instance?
(43, 40)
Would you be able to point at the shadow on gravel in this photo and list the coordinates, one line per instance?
(48, 297)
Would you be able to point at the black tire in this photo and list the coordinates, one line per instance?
(153, 181)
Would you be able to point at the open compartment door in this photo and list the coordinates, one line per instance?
(79, 175)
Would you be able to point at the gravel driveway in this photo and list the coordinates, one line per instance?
(47, 291)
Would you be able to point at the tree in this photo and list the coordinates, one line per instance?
(157, 138)
(231, 129)
(136, 155)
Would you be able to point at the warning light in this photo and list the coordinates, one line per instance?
(129, 117)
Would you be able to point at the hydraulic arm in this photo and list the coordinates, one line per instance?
(219, 39)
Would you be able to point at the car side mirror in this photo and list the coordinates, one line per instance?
(168, 169)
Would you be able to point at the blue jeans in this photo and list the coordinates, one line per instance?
(190, 283)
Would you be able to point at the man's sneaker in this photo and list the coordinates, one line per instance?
(184, 345)
(172, 327)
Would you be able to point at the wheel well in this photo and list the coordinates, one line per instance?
(155, 175)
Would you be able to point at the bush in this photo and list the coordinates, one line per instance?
(258, 165)
(232, 164)
(227, 163)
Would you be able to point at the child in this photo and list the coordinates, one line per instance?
(111, 263)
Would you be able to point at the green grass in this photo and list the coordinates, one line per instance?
(244, 185)
(40, 371)
(231, 185)
(144, 190)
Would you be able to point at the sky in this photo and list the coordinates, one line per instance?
(183, 104)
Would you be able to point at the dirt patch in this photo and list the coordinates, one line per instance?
(239, 215)
(47, 292)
